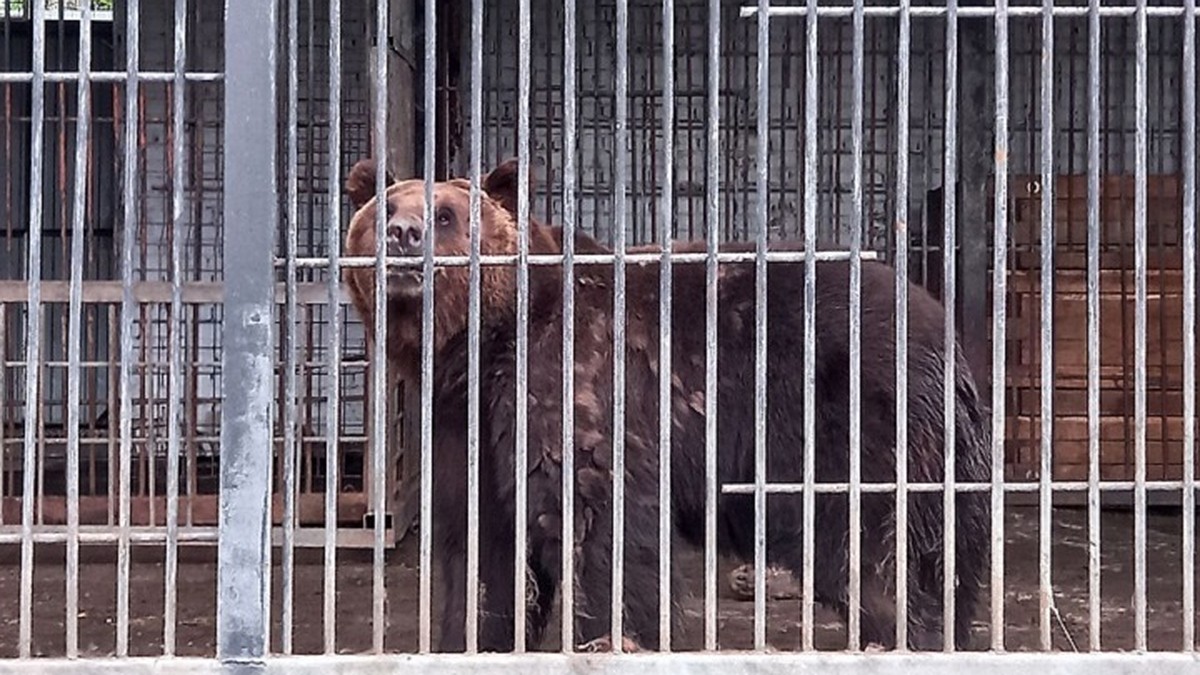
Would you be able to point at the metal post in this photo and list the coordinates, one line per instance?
(243, 551)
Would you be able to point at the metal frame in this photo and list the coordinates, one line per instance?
(251, 294)
(635, 664)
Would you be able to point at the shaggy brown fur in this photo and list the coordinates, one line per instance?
(594, 424)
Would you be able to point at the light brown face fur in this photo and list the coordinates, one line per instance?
(406, 199)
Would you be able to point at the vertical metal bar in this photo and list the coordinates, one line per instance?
(128, 307)
(33, 326)
(1045, 492)
(426, 528)
(175, 340)
(810, 321)
(244, 550)
(334, 403)
(522, 407)
(621, 176)
(379, 357)
(75, 324)
(949, 301)
(1189, 326)
(568, 355)
(1093, 324)
(5, 476)
(712, 202)
(902, 115)
(667, 206)
(762, 141)
(854, 629)
(1139, 334)
(999, 304)
(473, 347)
(288, 614)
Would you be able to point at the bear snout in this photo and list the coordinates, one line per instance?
(406, 237)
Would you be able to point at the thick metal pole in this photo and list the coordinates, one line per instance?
(243, 553)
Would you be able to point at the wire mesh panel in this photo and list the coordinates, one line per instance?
(340, 336)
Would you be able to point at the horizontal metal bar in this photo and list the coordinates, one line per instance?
(157, 365)
(842, 488)
(193, 293)
(207, 438)
(792, 256)
(1029, 12)
(102, 534)
(110, 76)
(832, 663)
(302, 537)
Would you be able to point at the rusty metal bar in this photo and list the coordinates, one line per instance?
(999, 323)
(473, 357)
(175, 391)
(901, 225)
(788, 254)
(621, 180)
(570, 141)
(1046, 494)
(949, 340)
(762, 119)
(1189, 328)
(128, 240)
(524, 73)
(665, 371)
(33, 330)
(812, 55)
(75, 329)
(1139, 332)
(973, 12)
(424, 590)
(1093, 325)
(712, 218)
(854, 554)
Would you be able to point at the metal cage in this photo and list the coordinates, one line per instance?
(204, 456)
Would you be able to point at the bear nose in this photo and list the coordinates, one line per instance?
(405, 237)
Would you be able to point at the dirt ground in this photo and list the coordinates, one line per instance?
(197, 596)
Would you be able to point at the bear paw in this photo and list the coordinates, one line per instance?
(781, 585)
(604, 644)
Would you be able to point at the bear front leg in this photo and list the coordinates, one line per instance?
(594, 578)
(496, 571)
(496, 584)
(453, 562)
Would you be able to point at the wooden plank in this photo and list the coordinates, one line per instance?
(1164, 328)
(1072, 401)
(1027, 470)
(1112, 428)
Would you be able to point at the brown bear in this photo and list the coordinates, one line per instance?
(594, 425)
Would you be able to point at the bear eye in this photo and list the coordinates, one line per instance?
(444, 217)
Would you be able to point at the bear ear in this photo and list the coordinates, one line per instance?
(360, 184)
(501, 185)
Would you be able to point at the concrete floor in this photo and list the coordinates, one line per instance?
(197, 596)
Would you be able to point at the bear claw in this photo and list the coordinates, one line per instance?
(604, 644)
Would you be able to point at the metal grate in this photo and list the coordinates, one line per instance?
(190, 397)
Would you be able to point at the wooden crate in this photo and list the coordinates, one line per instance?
(1164, 335)
(1164, 222)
